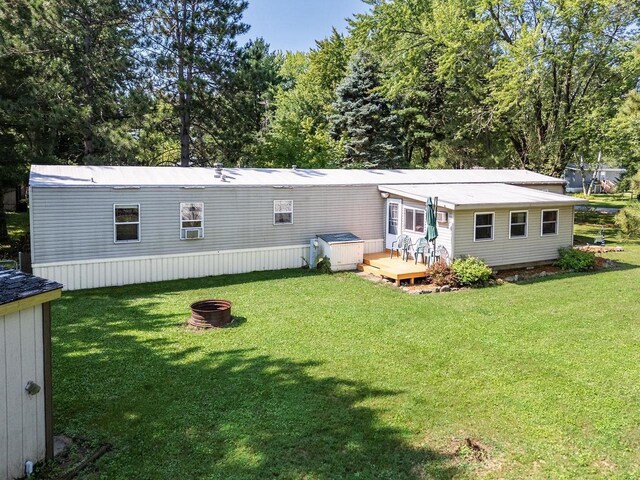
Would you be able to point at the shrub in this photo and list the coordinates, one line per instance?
(324, 265)
(440, 274)
(578, 260)
(628, 220)
(471, 271)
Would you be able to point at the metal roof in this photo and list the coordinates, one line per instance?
(16, 285)
(467, 196)
(131, 177)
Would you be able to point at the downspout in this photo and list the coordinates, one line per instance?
(452, 227)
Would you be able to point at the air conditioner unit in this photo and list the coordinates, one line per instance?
(443, 217)
(192, 233)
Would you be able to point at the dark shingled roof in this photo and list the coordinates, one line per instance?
(16, 285)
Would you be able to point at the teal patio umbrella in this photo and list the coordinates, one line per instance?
(432, 225)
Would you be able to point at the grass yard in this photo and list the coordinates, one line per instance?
(329, 377)
(615, 200)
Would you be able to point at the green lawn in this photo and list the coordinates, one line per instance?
(329, 377)
(615, 200)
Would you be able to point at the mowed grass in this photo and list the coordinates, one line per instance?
(611, 200)
(331, 377)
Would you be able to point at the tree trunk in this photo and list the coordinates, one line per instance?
(184, 98)
(4, 232)
(89, 144)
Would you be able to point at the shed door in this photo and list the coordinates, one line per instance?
(393, 221)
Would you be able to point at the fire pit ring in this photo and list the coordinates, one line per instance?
(210, 314)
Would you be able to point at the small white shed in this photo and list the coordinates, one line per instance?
(26, 429)
(344, 250)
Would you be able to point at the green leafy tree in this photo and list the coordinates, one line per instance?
(242, 106)
(298, 128)
(363, 121)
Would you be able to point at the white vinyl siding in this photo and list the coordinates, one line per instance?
(236, 218)
(504, 251)
(22, 429)
(445, 229)
(483, 226)
(518, 224)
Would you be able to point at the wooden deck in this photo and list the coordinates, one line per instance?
(394, 268)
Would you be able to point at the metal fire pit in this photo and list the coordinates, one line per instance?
(210, 313)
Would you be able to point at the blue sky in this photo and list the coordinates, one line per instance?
(295, 24)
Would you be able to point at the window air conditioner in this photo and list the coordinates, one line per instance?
(192, 233)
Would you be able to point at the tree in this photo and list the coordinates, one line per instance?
(557, 66)
(242, 105)
(298, 128)
(191, 48)
(363, 121)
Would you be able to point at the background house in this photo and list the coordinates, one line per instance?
(606, 175)
(26, 429)
(101, 226)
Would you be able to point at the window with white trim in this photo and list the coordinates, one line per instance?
(549, 222)
(414, 219)
(126, 223)
(282, 212)
(518, 224)
(191, 220)
(483, 226)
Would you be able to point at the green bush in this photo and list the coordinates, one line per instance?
(324, 265)
(471, 271)
(578, 260)
(440, 274)
(628, 220)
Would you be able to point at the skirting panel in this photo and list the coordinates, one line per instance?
(126, 271)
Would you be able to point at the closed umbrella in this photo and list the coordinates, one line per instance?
(432, 224)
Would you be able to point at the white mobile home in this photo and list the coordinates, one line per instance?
(101, 226)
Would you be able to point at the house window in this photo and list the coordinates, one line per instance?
(126, 223)
(549, 222)
(483, 226)
(191, 221)
(518, 224)
(282, 212)
(414, 219)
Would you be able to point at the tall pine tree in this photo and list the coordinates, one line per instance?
(363, 119)
(192, 50)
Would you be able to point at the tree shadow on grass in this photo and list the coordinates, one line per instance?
(175, 407)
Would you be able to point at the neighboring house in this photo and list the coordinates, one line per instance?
(26, 429)
(607, 177)
(101, 226)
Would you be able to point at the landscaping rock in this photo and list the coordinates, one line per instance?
(445, 288)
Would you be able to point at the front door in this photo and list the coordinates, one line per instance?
(392, 226)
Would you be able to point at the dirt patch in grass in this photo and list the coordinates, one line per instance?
(74, 456)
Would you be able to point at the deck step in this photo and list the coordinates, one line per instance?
(363, 267)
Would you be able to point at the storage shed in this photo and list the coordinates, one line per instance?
(344, 250)
(26, 430)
